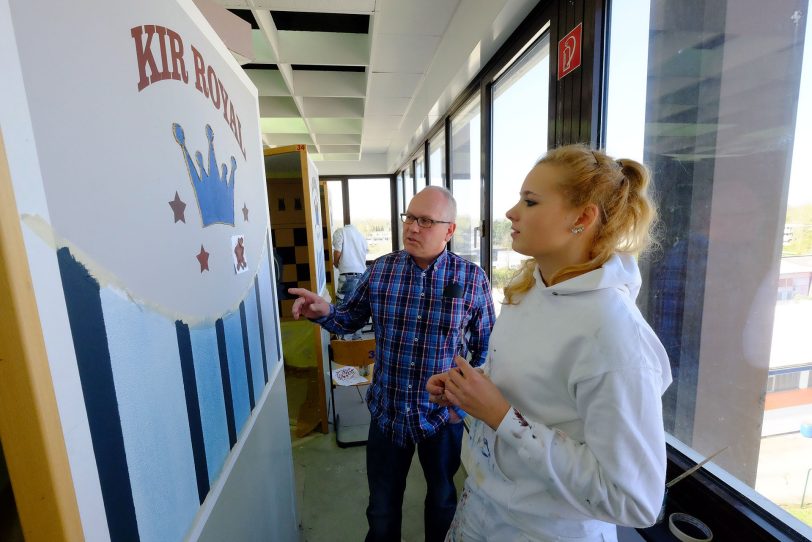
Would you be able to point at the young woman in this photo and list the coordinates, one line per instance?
(568, 439)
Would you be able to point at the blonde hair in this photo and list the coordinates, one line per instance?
(619, 188)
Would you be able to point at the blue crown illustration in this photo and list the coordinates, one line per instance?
(215, 194)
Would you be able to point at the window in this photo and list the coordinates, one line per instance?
(784, 382)
(408, 194)
(400, 181)
(437, 159)
(371, 213)
(520, 98)
(465, 180)
(335, 197)
(420, 172)
(718, 103)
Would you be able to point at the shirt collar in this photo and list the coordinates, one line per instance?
(438, 262)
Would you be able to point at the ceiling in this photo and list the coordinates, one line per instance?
(360, 82)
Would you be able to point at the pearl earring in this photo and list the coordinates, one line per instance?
(577, 229)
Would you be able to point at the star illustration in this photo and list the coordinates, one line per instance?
(245, 212)
(203, 258)
(178, 207)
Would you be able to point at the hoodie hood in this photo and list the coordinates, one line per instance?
(620, 271)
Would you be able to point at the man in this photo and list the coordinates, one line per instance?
(427, 305)
(349, 257)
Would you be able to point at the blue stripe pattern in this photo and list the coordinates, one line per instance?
(210, 398)
(270, 322)
(232, 327)
(261, 330)
(254, 344)
(187, 366)
(165, 402)
(154, 420)
(247, 357)
(99, 392)
(225, 377)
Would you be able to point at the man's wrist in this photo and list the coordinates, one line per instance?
(320, 319)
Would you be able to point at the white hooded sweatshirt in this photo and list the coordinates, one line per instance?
(582, 447)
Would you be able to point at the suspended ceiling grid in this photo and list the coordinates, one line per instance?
(361, 81)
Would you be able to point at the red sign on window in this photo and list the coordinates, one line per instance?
(569, 51)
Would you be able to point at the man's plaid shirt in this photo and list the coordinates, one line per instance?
(422, 319)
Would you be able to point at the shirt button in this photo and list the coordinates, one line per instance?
(412, 364)
(408, 409)
(422, 294)
(419, 317)
(415, 339)
(410, 386)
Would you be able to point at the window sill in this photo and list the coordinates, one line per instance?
(728, 513)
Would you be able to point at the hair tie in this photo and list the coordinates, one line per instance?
(618, 162)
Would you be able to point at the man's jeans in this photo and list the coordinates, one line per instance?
(387, 467)
(346, 286)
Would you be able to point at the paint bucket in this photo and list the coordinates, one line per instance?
(688, 529)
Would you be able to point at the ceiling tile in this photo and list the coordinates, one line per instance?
(375, 146)
(268, 82)
(393, 85)
(381, 125)
(341, 156)
(277, 106)
(335, 125)
(333, 107)
(428, 17)
(386, 106)
(237, 4)
(338, 139)
(288, 126)
(339, 84)
(263, 54)
(323, 48)
(405, 53)
(326, 6)
(280, 139)
(339, 148)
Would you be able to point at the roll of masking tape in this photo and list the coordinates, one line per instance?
(688, 529)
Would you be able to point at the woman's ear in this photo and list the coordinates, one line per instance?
(589, 215)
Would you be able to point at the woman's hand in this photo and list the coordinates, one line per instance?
(474, 392)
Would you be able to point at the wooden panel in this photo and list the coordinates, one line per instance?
(286, 202)
(355, 353)
(29, 421)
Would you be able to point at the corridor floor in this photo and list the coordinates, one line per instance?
(332, 494)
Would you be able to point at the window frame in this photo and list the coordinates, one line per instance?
(704, 490)
(345, 197)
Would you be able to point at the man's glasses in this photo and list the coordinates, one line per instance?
(422, 221)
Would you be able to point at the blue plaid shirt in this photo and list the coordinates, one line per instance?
(422, 318)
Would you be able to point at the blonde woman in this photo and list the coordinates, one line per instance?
(568, 439)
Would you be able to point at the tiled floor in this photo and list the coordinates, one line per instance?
(332, 494)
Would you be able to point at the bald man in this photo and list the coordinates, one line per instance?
(427, 305)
